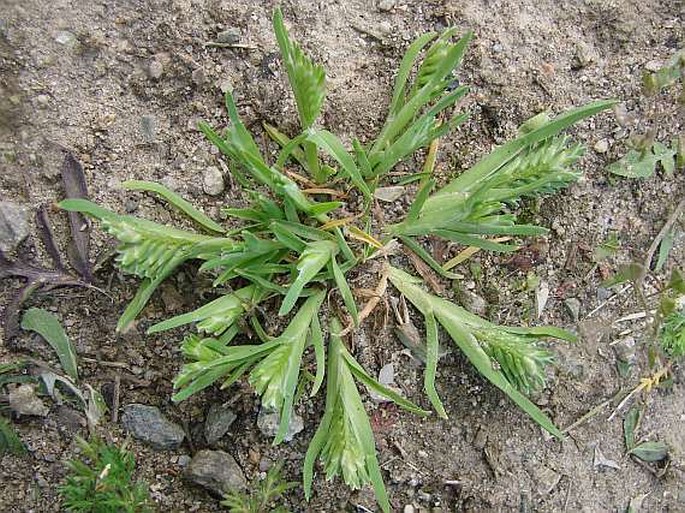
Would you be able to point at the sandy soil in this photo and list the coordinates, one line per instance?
(122, 84)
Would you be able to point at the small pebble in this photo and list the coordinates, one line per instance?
(24, 401)
(155, 69)
(573, 306)
(130, 205)
(199, 76)
(601, 146)
(219, 420)
(229, 36)
(66, 38)
(584, 55)
(408, 509)
(653, 66)
(625, 350)
(212, 181)
(268, 423)
(225, 86)
(148, 127)
(386, 5)
(14, 225)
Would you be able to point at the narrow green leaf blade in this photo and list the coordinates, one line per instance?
(9, 440)
(345, 291)
(314, 257)
(48, 326)
(176, 201)
(406, 66)
(316, 338)
(143, 295)
(432, 348)
(629, 425)
(371, 383)
(334, 147)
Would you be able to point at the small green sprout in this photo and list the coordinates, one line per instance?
(263, 495)
(102, 481)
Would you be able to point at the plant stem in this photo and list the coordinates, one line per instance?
(312, 157)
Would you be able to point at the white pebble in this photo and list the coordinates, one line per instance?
(212, 181)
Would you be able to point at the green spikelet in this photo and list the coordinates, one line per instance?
(522, 362)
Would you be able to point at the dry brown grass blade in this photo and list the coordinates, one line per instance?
(425, 271)
(325, 190)
(372, 303)
(464, 255)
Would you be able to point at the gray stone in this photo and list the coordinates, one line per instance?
(584, 55)
(212, 181)
(147, 424)
(475, 303)
(24, 401)
(155, 69)
(66, 38)
(625, 350)
(573, 306)
(219, 419)
(546, 480)
(14, 225)
(148, 127)
(268, 422)
(601, 146)
(217, 471)
(183, 460)
(230, 36)
(386, 5)
(199, 76)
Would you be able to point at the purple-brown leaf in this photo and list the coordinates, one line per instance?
(75, 187)
(47, 237)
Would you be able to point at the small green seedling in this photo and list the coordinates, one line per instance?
(646, 451)
(263, 494)
(9, 440)
(645, 154)
(310, 224)
(102, 481)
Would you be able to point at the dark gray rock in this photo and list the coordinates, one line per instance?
(147, 424)
(219, 419)
(217, 471)
(14, 225)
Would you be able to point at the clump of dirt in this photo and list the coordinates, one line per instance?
(122, 85)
